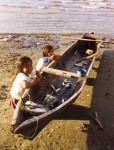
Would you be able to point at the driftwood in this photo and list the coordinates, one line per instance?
(96, 119)
(92, 38)
(82, 39)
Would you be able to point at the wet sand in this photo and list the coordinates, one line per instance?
(74, 128)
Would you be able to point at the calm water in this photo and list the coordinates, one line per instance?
(57, 16)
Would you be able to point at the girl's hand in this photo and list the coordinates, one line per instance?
(43, 79)
(37, 81)
(55, 57)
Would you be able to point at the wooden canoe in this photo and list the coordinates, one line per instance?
(29, 126)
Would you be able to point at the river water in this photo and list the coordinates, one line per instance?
(57, 16)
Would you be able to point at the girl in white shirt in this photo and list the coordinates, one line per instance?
(22, 79)
(48, 56)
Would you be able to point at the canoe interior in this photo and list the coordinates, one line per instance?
(24, 122)
(66, 63)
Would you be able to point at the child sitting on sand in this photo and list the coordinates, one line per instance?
(48, 56)
(22, 79)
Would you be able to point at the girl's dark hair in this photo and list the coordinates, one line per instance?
(46, 50)
(21, 63)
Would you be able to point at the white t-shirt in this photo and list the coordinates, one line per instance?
(43, 62)
(17, 89)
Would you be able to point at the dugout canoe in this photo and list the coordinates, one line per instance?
(64, 82)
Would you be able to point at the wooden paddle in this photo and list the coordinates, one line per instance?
(62, 73)
(88, 57)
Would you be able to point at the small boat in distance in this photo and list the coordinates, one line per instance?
(66, 78)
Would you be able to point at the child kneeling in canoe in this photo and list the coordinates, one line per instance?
(48, 56)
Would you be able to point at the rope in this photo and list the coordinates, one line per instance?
(32, 136)
(22, 106)
(29, 98)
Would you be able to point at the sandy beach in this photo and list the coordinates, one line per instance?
(64, 132)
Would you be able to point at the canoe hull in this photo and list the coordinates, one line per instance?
(30, 126)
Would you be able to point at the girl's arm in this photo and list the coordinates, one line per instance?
(27, 85)
(55, 57)
(42, 78)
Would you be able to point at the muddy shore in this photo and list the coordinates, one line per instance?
(64, 132)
